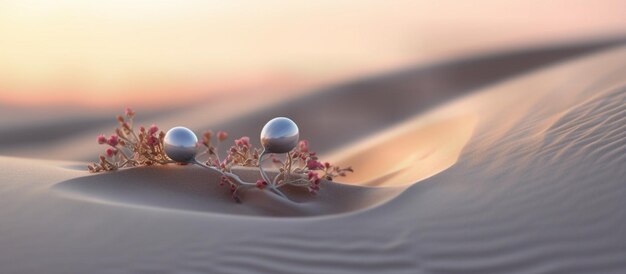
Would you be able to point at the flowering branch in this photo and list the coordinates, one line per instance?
(127, 148)
(300, 167)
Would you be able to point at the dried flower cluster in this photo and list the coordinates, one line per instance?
(239, 154)
(300, 167)
(127, 148)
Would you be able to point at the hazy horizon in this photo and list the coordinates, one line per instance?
(109, 54)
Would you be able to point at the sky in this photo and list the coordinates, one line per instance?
(108, 54)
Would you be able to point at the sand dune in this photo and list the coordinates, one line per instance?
(525, 174)
(351, 111)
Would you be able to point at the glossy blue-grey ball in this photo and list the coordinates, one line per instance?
(180, 144)
(280, 135)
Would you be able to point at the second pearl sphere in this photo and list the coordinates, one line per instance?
(280, 135)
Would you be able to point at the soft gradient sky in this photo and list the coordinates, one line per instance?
(112, 53)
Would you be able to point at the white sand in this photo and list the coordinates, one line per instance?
(524, 175)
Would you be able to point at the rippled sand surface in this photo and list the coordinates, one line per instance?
(511, 163)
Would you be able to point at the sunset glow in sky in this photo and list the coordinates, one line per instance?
(112, 53)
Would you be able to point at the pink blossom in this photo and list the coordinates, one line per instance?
(313, 175)
(111, 151)
(153, 129)
(261, 184)
(222, 135)
(152, 141)
(243, 141)
(113, 140)
(101, 139)
(304, 146)
(314, 165)
(129, 112)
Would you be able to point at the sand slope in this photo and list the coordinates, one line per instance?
(532, 183)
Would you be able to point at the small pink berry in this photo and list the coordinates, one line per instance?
(313, 177)
(113, 140)
(314, 165)
(153, 129)
(243, 141)
(261, 184)
(101, 139)
(111, 151)
(246, 140)
(222, 135)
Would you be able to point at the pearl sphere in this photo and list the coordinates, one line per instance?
(280, 135)
(180, 144)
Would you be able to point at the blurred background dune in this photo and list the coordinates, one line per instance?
(343, 70)
(104, 55)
